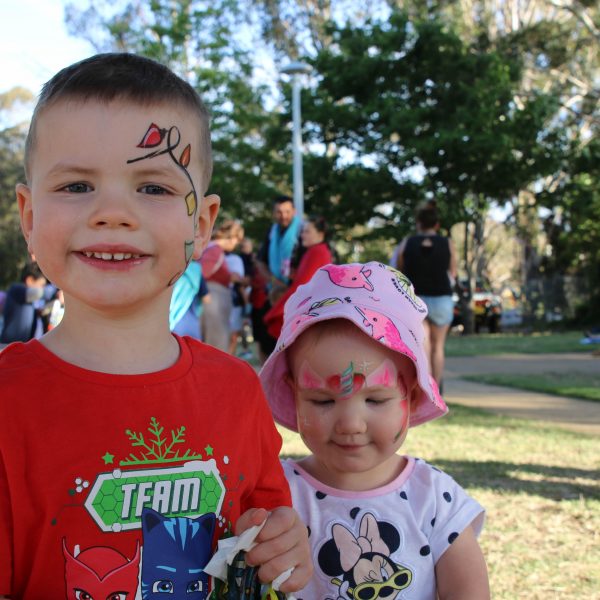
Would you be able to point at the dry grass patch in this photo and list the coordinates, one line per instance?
(541, 488)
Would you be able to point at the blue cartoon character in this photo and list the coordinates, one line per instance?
(176, 550)
(361, 565)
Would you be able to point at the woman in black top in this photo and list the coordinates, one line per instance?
(428, 259)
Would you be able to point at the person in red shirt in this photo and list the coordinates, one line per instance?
(316, 254)
(126, 452)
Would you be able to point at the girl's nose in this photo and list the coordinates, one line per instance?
(350, 421)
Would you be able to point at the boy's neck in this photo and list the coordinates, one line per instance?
(133, 344)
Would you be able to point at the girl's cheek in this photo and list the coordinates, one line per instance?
(305, 422)
(404, 421)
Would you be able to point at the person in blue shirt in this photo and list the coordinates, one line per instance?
(22, 318)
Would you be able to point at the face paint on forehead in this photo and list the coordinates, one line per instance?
(309, 379)
(346, 380)
(386, 375)
(346, 383)
(154, 138)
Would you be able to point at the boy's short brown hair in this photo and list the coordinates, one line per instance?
(129, 77)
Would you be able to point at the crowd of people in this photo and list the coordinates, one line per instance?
(30, 307)
(136, 462)
(232, 296)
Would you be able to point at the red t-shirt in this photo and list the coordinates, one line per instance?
(95, 467)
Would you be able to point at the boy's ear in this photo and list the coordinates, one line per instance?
(25, 211)
(207, 215)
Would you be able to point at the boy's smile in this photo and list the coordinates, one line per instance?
(113, 222)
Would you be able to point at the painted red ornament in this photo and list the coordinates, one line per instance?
(153, 137)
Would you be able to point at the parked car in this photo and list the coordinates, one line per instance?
(486, 307)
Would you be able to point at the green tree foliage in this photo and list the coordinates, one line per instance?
(13, 250)
(404, 111)
(573, 226)
(196, 39)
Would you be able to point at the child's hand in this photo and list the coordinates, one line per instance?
(282, 544)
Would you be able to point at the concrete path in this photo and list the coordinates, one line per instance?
(578, 415)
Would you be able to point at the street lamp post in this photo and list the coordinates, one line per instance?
(295, 69)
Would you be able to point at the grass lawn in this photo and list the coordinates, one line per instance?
(501, 343)
(541, 488)
(571, 385)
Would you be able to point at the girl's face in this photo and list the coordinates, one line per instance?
(311, 235)
(352, 405)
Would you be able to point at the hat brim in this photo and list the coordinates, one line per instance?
(427, 403)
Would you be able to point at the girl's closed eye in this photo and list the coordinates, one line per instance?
(377, 401)
(321, 401)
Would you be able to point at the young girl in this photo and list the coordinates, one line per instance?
(349, 373)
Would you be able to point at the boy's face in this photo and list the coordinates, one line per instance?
(114, 211)
(352, 404)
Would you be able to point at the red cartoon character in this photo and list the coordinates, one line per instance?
(100, 573)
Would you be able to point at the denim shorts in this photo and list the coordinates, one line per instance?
(440, 309)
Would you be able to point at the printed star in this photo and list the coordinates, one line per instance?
(208, 450)
(108, 458)
(364, 367)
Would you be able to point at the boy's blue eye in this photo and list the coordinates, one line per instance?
(77, 188)
(153, 189)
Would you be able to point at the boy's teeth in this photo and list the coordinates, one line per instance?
(109, 256)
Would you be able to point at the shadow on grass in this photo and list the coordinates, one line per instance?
(468, 416)
(476, 429)
(554, 483)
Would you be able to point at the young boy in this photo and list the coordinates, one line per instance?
(126, 452)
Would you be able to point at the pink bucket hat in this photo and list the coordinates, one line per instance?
(380, 301)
